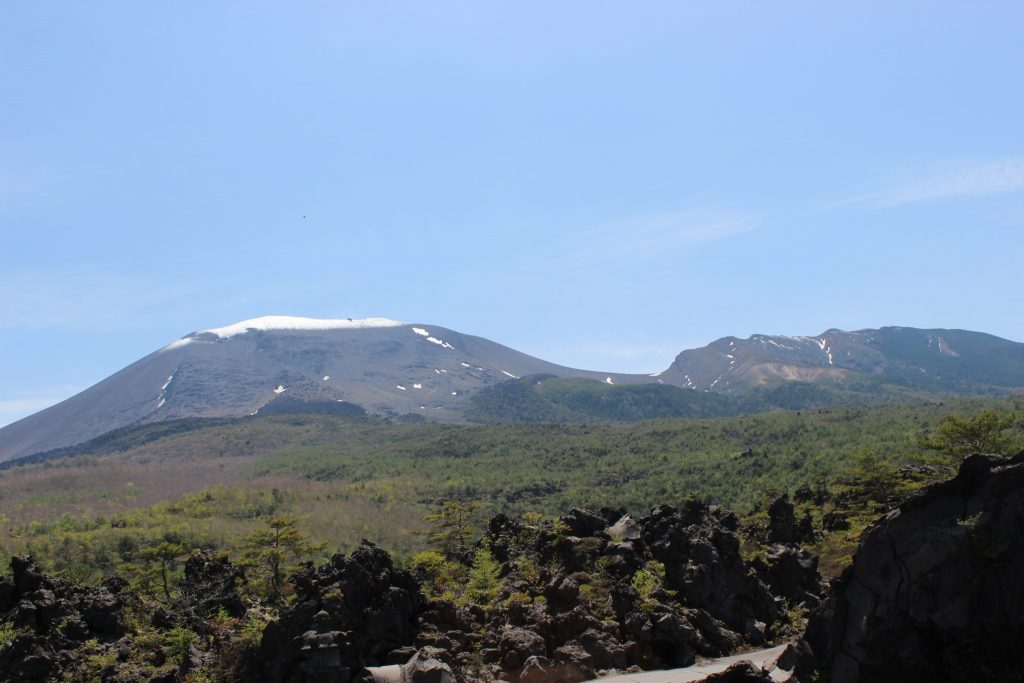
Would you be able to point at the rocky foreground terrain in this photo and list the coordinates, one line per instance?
(935, 592)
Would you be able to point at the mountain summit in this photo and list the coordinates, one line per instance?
(383, 366)
(944, 361)
(387, 367)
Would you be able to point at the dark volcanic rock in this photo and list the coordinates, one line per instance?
(61, 616)
(783, 526)
(519, 644)
(364, 595)
(740, 672)
(209, 583)
(936, 589)
(792, 573)
(703, 564)
(835, 521)
(584, 523)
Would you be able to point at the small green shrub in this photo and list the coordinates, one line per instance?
(180, 639)
(645, 582)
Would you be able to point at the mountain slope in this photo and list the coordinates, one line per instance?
(944, 361)
(381, 365)
(386, 367)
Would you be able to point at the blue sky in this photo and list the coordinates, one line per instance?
(599, 184)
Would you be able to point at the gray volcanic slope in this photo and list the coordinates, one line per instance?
(388, 367)
(950, 362)
(383, 366)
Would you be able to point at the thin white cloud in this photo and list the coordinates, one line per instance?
(963, 181)
(653, 235)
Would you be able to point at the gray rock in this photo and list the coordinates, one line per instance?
(936, 589)
(521, 644)
(625, 529)
(428, 665)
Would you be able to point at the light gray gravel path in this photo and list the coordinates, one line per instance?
(698, 672)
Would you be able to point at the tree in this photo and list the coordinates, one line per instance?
(961, 436)
(157, 564)
(484, 578)
(452, 528)
(275, 551)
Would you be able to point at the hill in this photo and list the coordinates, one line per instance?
(388, 368)
(355, 477)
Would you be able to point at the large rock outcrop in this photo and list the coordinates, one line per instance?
(699, 548)
(936, 589)
(55, 617)
(360, 606)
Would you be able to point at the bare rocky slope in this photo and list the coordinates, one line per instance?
(382, 366)
(391, 368)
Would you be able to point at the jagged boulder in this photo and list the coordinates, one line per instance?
(740, 672)
(363, 594)
(429, 665)
(936, 589)
(703, 565)
(783, 526)
(791, 572)
(835, 521)
(503, 533)
(210, 582)
(543, 670)
(584, 523)
(624, 528)
(59, 617)
(519, 644)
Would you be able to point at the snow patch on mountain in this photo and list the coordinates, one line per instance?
(162, 398)
(823, 343)
(439, 342)
(178, 343)
(289, 322)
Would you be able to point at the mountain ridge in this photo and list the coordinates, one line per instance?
(392, 368)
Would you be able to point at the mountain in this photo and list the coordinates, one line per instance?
(942, 361)
(386, 367)
(381, 365)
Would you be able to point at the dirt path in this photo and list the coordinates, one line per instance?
(698, 672)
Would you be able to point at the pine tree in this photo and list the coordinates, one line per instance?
(961, 436)
(156, 567)
(452, 528)
(274, 552)
(484, 578)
